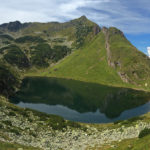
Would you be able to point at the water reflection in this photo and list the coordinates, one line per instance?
(80, 101)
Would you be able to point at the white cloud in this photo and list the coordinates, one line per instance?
(126, 15)
(148, 51)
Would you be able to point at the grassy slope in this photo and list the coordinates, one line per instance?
(88, 64)
(12, 146)
(130, 144)
(133, 63)
(135, 144)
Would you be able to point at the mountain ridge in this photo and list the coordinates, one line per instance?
(132, 76)
(98, 54)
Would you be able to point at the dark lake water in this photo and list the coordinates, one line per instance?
(80, 101)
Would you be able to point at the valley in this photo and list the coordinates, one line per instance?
(76, 86)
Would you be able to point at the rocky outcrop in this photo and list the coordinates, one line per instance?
(115, 64)
(14, 26)
(96, 29)
(114, 31)
(106, 33)
(123, 77)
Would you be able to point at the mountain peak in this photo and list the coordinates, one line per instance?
(83, 17)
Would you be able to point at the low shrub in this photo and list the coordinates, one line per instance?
(40, 53)
(12, 113)
(56, 122)
(9, 80)
(6, 36)
(135, 119)
(118, 121)
(144, 133)
(7, 122)
(16, 131)
(43, 53)
(29, 39)
(60, 52)
(16, 56)
(73, 124)
(129, 121)
(1, 126)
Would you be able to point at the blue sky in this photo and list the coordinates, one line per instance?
(141, 41)
(130, 16)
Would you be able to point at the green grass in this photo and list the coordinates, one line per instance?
(87, 64)
(133, 63)
(13, 146)
(133, 144)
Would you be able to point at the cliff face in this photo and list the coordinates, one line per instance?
(13, 26)
(96, 29)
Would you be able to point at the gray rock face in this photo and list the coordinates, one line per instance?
(109, 55)
(13, 26)
(96, 29)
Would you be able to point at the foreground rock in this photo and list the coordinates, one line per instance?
(26, 128)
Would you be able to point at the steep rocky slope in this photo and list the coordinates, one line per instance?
(41, 44)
